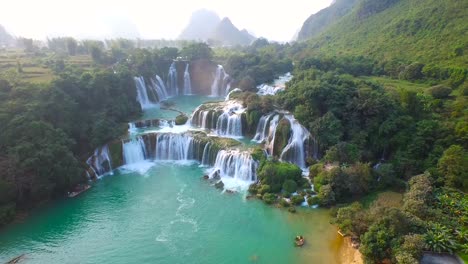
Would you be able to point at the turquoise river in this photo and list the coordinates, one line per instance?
(168, 215)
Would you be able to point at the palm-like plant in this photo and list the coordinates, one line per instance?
(439, 239)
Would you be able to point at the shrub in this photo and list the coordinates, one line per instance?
(292, 209)
(313, 200)
(297, 199)
(181, 119)
(264, 188)
(269, 198)
(290, 186)
(284, 203)
(440, 91)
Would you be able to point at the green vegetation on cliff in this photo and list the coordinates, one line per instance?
(425, 31)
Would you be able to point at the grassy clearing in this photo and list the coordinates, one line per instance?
(384, 199)
(393, 84)
(35, 67)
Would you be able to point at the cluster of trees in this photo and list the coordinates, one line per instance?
(372, 139)
(49, 129)
(429, 219)
(280, 182)
(261, 62)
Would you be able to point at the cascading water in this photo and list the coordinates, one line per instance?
(172, 84)
(229, 124)
(100, 162)
(187, 81)
(225, 121)
(236, 90)
(173, 147)
(235, 164)
(142, 93)
(160, 88)
(294, 151)
(206, 154)
(278, 85)
(221, 83)
(261, 132)
(134, 151)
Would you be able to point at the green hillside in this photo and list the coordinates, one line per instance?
(426, 31)
(322, 20)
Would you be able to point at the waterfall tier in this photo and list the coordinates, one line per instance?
(172, 81)
(278, 85)
(224, 119)
(187, 81)
(148, 94)
(221, 83)
(235, 164)
(300, 143)
(100, 162)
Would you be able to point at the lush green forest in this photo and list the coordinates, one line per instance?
(383, 90)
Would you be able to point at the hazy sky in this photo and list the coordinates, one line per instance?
(274, 19)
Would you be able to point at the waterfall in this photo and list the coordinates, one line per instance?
(134, 151)
(235, 164)
(261, 132)
(187, 82)
(142, 93)
(221, 83)
(100, 161)
(294, 151)
(174, 147)
(225, 122)
(229, 124)
(159, 88)
(278, 85)
(270, 138)
(206, 158)
(172, 80)
(236, 90)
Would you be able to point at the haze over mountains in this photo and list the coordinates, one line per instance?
(206, 25)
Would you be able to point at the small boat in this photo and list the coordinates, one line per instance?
(299, 241)
(79, 189)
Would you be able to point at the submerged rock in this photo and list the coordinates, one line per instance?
(219, 185)
(206, 177)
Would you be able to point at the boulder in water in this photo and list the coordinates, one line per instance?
(216, 175)
(219, 185)
(206, 177)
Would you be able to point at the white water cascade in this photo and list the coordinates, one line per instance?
(160, 88)
(187, 81)
(134, 151)
(266, 131)
(294, 151)
(225, 121)
(278, 85)
(235, 164)
(236, 90)
(100, 162)
(172, 84)
(142, 93)
(206, 154)
(174, 147)
(221, 83)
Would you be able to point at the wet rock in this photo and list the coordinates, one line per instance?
(216, 175)
(219, 185)
(206, 177)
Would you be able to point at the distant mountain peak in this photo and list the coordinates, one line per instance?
(205, 24)
(202, 23)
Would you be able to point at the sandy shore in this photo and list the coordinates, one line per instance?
(348, 254)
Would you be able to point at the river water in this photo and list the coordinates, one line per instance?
(167, 214)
